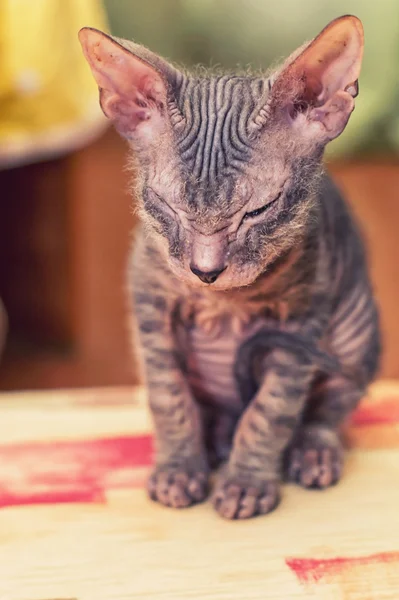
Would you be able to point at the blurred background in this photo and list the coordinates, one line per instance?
(65, 212)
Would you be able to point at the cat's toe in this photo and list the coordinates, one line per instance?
(313, 463)
(177, 488)
(234, 499)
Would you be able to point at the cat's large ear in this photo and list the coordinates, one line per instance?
(133, 84)
(316, 90)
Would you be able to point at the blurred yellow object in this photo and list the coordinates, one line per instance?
(48, 98)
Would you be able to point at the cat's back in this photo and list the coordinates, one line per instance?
(338, 219)
(354, 325)
(344, 249)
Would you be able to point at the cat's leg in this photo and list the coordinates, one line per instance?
(250, 482)
(180, 475)
(315, 457)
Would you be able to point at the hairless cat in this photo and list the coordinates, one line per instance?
(258, 327)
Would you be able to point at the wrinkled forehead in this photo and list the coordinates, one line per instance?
(214, 144)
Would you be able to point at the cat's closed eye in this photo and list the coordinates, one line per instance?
(255, 213)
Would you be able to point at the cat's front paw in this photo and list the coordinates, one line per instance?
(315, 458)
(178, 487)
(236, 499)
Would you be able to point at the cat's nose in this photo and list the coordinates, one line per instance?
(207, 276)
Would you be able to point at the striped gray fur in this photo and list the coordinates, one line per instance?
(256, 318)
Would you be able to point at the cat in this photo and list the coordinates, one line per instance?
(249, 282)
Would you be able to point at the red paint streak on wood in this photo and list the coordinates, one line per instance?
(312, 570)
(59, 495)
(383, 412)
(71, 471)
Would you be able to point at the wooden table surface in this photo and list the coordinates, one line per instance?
(75, 522)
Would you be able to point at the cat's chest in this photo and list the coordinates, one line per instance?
(216, 332)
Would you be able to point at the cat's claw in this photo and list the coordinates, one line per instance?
(233, 500)
(177, 488)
